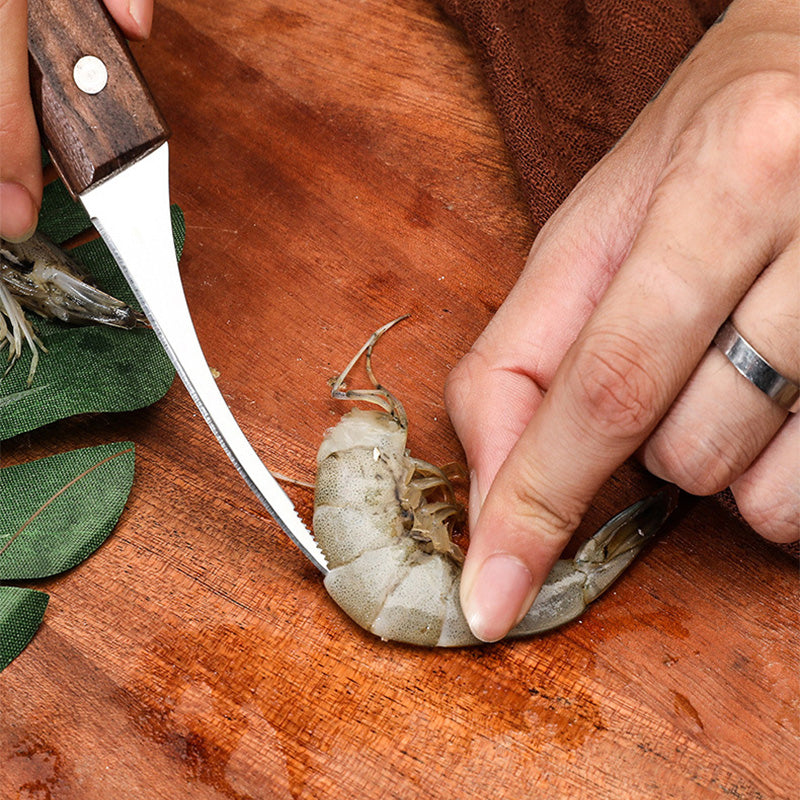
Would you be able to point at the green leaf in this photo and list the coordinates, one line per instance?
(57, 511)
(21, 612)
(90, 368)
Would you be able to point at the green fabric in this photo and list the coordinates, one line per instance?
(87, 369)
(57, 511)
(21, 612)
(54, 513)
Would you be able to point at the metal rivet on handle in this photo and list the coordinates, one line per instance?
(90, 74)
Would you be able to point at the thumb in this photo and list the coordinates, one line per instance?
(20, 161)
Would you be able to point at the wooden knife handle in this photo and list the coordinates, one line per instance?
(89, 136)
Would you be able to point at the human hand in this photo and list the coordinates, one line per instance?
(20, 159)
(691, 218)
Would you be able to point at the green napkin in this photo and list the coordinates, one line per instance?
(91, 368)
(54, 513)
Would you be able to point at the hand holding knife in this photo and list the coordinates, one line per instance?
(108, 140)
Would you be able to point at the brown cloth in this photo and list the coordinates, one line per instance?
(568, 77)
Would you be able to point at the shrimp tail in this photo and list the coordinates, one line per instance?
(573, 584)
(609, 552)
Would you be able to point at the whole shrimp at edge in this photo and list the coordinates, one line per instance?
(384, 521)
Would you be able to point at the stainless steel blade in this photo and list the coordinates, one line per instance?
(131, 212)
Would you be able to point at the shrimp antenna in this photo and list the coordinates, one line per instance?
(378, 395)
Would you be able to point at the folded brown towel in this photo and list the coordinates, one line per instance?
(568, 77)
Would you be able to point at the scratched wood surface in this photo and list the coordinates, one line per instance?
(339, 164)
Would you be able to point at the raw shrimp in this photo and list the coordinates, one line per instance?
(384, 521)
(39, 275)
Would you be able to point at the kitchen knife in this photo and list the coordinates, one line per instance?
(108, 141)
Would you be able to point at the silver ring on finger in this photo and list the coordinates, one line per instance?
(750, 363)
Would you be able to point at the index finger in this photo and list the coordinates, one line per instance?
(680, 281)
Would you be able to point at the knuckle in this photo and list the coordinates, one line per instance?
(462, 384)
(773, 510)
(753, 125)
(18, 134)
(766, 139)
(618, 395)
(16, 114)
(538, 512)
(699, 463)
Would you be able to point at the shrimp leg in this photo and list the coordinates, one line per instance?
(378, 395)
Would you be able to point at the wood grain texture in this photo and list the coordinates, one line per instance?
(89, 136)
(339, 164)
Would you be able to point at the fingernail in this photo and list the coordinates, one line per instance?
(498, 596)
(18, 212)
(475, 500)
(140, 13)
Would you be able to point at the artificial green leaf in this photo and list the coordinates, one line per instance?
(87, 368)
(21, 612)
(57, 511)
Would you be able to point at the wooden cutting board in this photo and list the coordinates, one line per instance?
(339, 164)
